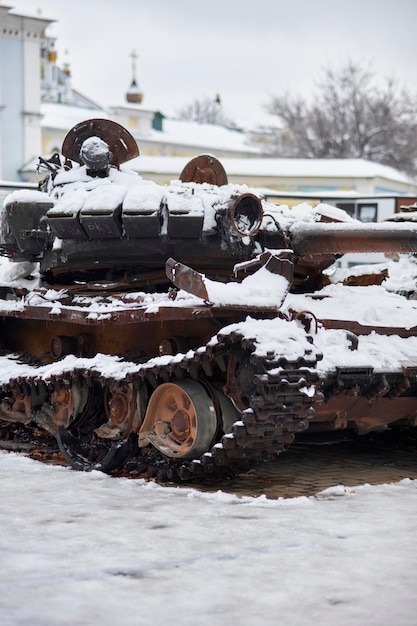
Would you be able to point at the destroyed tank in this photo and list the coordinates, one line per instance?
(193, 329)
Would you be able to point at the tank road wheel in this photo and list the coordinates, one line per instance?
(69, 404)
(110, 451)
(19, 403)
(180, 420)
(122, 404)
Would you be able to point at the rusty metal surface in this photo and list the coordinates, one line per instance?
(342, 238)
(247, 215)
(126, 316)
(360, 329)
(204, 168)
(121, 143)
(186, 278)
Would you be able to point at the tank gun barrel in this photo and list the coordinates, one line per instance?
(342, 238)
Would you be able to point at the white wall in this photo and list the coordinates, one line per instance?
(20, 120)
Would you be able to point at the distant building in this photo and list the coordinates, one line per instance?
(20, 90)
(289, 178)
(39, 105)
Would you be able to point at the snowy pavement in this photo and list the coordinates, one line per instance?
(86, 549)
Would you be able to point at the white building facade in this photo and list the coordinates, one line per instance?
(20, 90)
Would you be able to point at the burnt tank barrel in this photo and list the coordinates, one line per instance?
(342, 238)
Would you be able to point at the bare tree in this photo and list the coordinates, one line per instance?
(206, 111)
(351, 117)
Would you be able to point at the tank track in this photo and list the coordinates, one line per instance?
(279, 406)
(277, 401)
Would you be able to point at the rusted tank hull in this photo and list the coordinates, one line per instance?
(130, 333)
(191, 330)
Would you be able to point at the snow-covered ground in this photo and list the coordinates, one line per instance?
(86, 549)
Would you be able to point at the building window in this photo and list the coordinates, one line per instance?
(367, 212)
(363, 212)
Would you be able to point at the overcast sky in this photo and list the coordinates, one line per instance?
(244, 50)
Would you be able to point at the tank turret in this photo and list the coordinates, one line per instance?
(94, 220)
